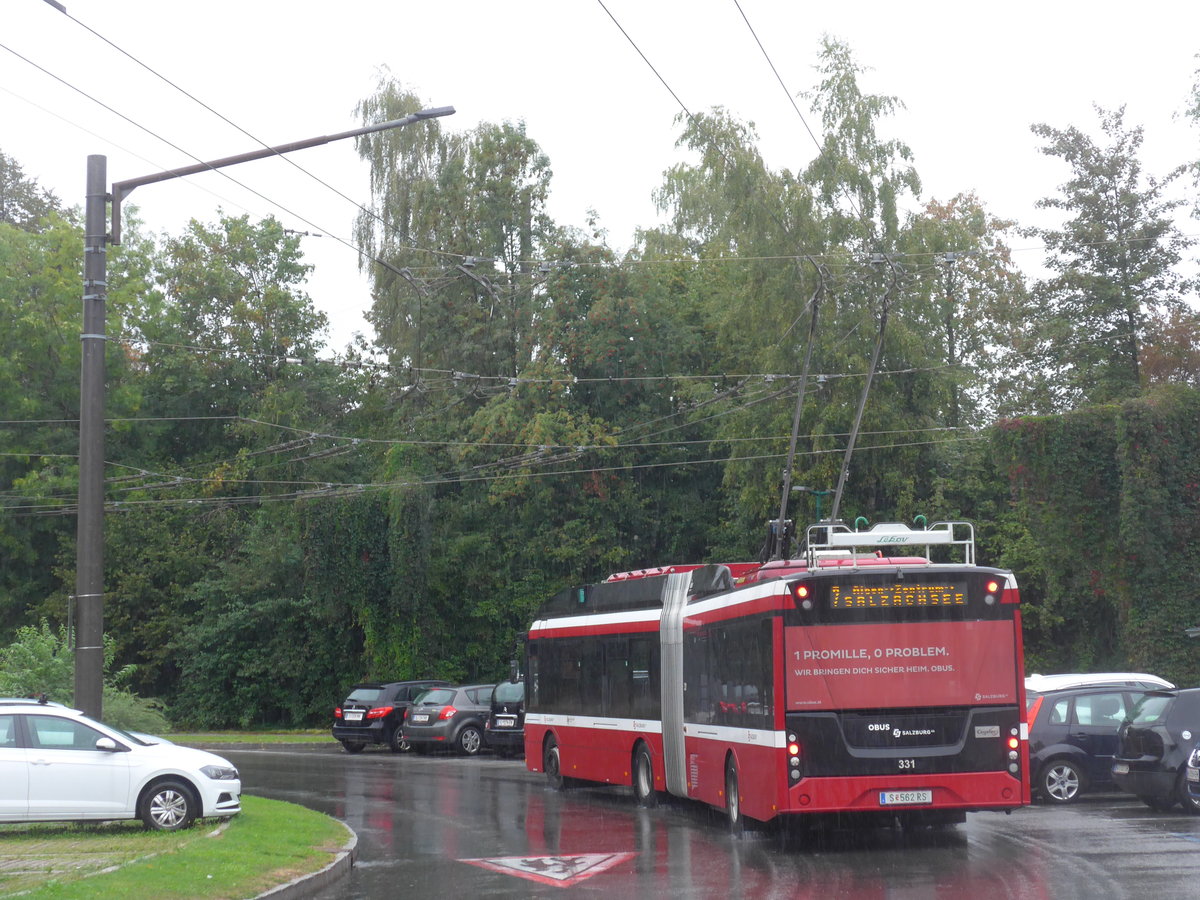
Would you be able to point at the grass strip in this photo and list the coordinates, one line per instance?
(306, 736)
(268, 843)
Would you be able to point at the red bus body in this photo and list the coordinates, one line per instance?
(837, 684)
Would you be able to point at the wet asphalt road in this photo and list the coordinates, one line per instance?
(485, 827)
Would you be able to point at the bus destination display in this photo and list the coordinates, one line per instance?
(907, 595)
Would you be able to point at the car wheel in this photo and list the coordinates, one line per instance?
(397, 742)
(168, 806)
(353, 746)
(1061, 781)
(733, 802)
(470, 741)
(1190, 804)
(552, 765)
(643, 777)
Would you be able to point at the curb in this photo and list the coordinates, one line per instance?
(315, 882)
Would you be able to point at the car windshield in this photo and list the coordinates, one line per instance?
(1150, 709)
(436, 697)
(146, 740)
(509, 692)
(364, 695)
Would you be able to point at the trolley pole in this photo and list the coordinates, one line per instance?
(89, 547)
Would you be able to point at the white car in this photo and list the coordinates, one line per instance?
(57, 765)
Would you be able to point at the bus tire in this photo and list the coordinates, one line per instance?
(552, 765)
(643, 777)
(733, 802)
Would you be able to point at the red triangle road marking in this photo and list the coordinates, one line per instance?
(562, 871)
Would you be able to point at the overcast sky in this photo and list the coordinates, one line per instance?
(973, 78)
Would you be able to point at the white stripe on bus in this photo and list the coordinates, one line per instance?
(726, 734)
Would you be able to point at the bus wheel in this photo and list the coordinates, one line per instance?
(733, 804)
(552, 765)
(643, 777)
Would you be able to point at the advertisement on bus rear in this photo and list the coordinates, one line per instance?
(900, 664)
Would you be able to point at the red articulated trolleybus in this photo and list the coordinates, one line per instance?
(851, 681)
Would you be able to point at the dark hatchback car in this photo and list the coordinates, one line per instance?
(1155, 745)
(505, 729)
(449, 717)
(1073, 732)
(373, 713)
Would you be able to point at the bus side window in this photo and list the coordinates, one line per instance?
(533, 682)
(741, 660)
(645, 700)
(699, 704)
(590, 677)
(617, 688)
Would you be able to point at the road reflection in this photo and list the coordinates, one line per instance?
(446, 825)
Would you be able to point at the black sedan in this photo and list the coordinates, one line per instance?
(449, 717)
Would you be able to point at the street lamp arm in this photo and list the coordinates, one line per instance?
(122, 189)
(88, 598)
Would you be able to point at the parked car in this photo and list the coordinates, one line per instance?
(1193, 774)
(58, 765)
(449, 717)
(505, 729)
(1156, 744)
(1074, 722)
(372, 713)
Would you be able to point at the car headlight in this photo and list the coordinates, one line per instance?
(220, 773)
(1194, 759)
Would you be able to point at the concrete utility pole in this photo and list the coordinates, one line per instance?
(89, 548)
(89, 538)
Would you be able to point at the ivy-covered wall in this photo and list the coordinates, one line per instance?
(1158, 451)
(1111, 498)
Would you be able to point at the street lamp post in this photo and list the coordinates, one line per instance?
(820, 495)
(89, 547)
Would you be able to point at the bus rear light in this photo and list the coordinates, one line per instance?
(802, 596)
(1013, 743)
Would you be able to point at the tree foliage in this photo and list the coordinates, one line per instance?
(23, 203)
(538, 409)
(1114, 262)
